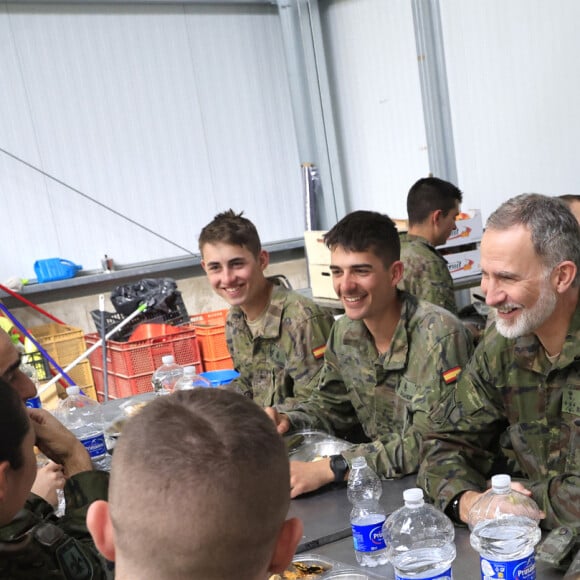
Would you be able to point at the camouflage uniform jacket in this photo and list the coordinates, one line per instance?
(512, 403)
(426, 274)
(389, 395)
(37, 545)
(282, 362)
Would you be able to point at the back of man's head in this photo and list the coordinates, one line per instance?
(200, 488)
(366, 231)
(428, 195)
(231, 228)
(554, 231)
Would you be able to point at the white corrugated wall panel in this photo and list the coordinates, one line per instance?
(372, 60)
(167, 114)
(514, 86)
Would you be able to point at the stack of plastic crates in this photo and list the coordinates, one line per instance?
(64, 344)
(210, 328)
(131, 364)
(177, 315)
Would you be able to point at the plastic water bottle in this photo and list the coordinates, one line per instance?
(419, 540)
(504, 530)
(165, 377)
(84, 417)
(191, 380)
(367, 516)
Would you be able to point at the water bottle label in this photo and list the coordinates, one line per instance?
(447, 575)
(522, 569)
(34, 403)
(368, 538)
(95, 445)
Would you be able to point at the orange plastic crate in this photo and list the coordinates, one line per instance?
(210, 330)
(218, 364)
(129, 359)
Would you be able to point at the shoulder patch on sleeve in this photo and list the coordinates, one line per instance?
(450, 375)
(319, 351)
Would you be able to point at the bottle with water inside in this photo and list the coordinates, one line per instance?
(367, 516)
(419, 540)
(191, 380)
(165, 377)
(504, 530)
(84, 417)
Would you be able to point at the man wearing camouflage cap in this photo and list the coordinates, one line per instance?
(516, 407)
(388, 361)
(432, 206)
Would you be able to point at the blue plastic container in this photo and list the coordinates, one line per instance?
(55, 269)
(218, 378)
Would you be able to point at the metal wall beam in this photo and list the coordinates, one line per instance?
(434, 89)
(312, 102)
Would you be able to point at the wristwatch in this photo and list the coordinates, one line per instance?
(452, 509)
(339, 466)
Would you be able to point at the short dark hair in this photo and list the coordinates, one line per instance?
(569, 198)
(213, 476)
(428, 195)
(366, 231)
(14, 425)
(232, 228)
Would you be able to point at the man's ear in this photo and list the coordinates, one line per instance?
(288, 539)
(436, 216)
(566, 273)
(264, 259)
(101, 527)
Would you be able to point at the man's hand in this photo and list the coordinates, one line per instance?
(280, 420)
(470, 497)
(307, 476)
(58, 443)
(49, 478)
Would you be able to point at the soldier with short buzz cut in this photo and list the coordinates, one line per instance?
(276, 336)
(432, 206)
(516, 407)
(388, 361)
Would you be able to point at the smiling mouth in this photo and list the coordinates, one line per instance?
(352, 299)
(507, 308)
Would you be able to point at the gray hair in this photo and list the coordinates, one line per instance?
(554, 229)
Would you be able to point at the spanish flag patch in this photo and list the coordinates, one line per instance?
(451, 375)
(319, 352)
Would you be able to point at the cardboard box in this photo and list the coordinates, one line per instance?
(321, 281)
(467, 231)
(463, 264)
(316, 250)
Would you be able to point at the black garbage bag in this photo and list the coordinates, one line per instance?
(159, 294)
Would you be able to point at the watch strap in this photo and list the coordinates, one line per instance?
(339, 466)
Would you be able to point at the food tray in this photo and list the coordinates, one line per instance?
(311, 445)
(311, 566)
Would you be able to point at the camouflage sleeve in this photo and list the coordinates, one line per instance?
(80, 491)
(305, 355)
(395, 454)
(559, 498)
(329, 406)
(460, 451)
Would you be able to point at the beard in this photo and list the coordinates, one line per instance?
(531, 318)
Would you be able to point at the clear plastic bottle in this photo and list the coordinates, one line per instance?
(84, 417)
(191, 380)
(419, 540)
(367, 516)
(504, 530)
(165, 377)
